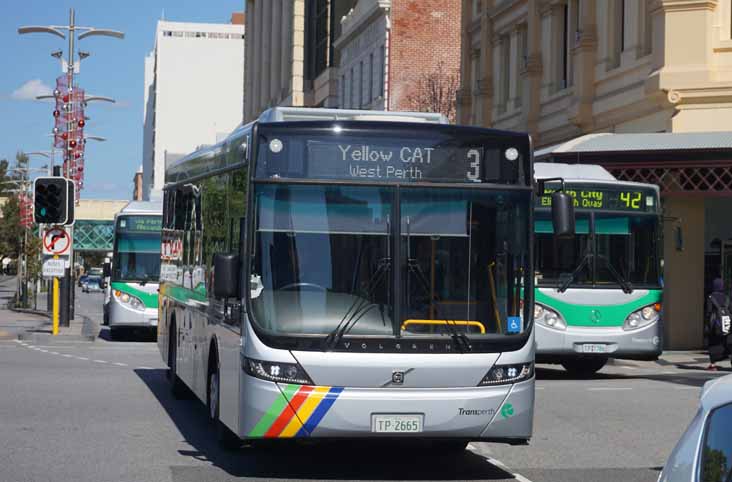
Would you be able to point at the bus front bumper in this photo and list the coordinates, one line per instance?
(121, 315)
(613, 342)
(274, 410)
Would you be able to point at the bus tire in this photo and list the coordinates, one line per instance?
(225, 437)
(449, 446)
(177, 387)
(584, 367)
(116, 333)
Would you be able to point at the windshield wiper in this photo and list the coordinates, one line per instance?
(565, 284)
(359, 307)
(461, 339)
(624, 284)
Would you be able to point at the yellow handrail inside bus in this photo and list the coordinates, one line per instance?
(480, 325)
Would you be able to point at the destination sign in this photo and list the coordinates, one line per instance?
(140, 223)
(604, 198)
(386, 160)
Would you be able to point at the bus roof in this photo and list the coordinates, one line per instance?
(142, 207)
(581, 173)
(294, 114)
(214, 156)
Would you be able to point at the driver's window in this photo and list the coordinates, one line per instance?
(716, 465)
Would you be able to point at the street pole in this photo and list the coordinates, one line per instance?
(65, 285)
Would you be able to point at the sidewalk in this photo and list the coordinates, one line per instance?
(693, 359)
(79, 329)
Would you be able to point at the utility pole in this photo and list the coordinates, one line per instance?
(73, 140)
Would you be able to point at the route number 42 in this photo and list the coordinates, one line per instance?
(631, 200)
(474, 165)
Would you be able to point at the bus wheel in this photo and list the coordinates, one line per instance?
(584, 367)
(116, 333)
(177, 388)
(225, 437)
(449, 446)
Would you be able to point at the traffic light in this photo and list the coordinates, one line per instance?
(50, 200)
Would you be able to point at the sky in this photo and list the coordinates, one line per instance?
(114, 69)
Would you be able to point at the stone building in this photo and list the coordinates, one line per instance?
(563, 69)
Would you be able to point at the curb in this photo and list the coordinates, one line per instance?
(30, 311)
(89, 334)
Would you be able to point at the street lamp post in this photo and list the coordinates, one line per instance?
(71, 151)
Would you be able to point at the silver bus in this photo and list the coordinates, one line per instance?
(353, 274)
(599, 296)
(132, 298)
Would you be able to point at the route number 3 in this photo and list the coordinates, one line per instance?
(474, 165)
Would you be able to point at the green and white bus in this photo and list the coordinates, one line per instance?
(598, 296)
(134, 272)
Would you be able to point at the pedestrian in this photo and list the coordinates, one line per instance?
(717, 327)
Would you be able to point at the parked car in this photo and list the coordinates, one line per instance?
(704, 452)
(93, 284)
(81, 279)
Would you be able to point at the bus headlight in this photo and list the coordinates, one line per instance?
(127, 299)
(505, 374)
(643, 317)
(548, 317)
(275, 371)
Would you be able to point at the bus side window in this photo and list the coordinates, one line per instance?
(213, 204)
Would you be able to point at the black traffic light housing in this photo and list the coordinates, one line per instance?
(53, 200)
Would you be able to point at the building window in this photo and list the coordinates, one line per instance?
(647, 27)
(564, 66)
(382, 64)
(616, 41)
(361, 79)
(343, 91)
(353, 89)
(317, 41)
(505, 76)
(371, 78)
(523, 56)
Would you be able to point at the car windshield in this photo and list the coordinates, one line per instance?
(324, 255)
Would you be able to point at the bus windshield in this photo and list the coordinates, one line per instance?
(326, 258)
(137, 249)
(608, 250)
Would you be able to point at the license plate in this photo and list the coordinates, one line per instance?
(397, 423)
(592, 348)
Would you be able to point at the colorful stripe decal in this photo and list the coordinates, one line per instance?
(320, 411)
(274, 411)
(297, 412)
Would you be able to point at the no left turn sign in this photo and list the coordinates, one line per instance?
(56, 241)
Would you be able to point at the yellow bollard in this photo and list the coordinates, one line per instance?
(55, 306)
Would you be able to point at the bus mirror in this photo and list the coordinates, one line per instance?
(107, 269)
(226, 275)
(562, 215)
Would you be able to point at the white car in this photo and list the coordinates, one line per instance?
(704, 453)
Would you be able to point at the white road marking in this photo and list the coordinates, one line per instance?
(43, 351)
(607, 389)
(81, 358)
(498, 463)
(53, 352)
(120, 364)
(99, 361)
(68, 356)
(145, 368)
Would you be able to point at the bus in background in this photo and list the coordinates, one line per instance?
(598, 296)
(351, 274)
(134, 270)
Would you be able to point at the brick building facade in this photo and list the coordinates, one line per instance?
(389, 49)
(356, 54)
